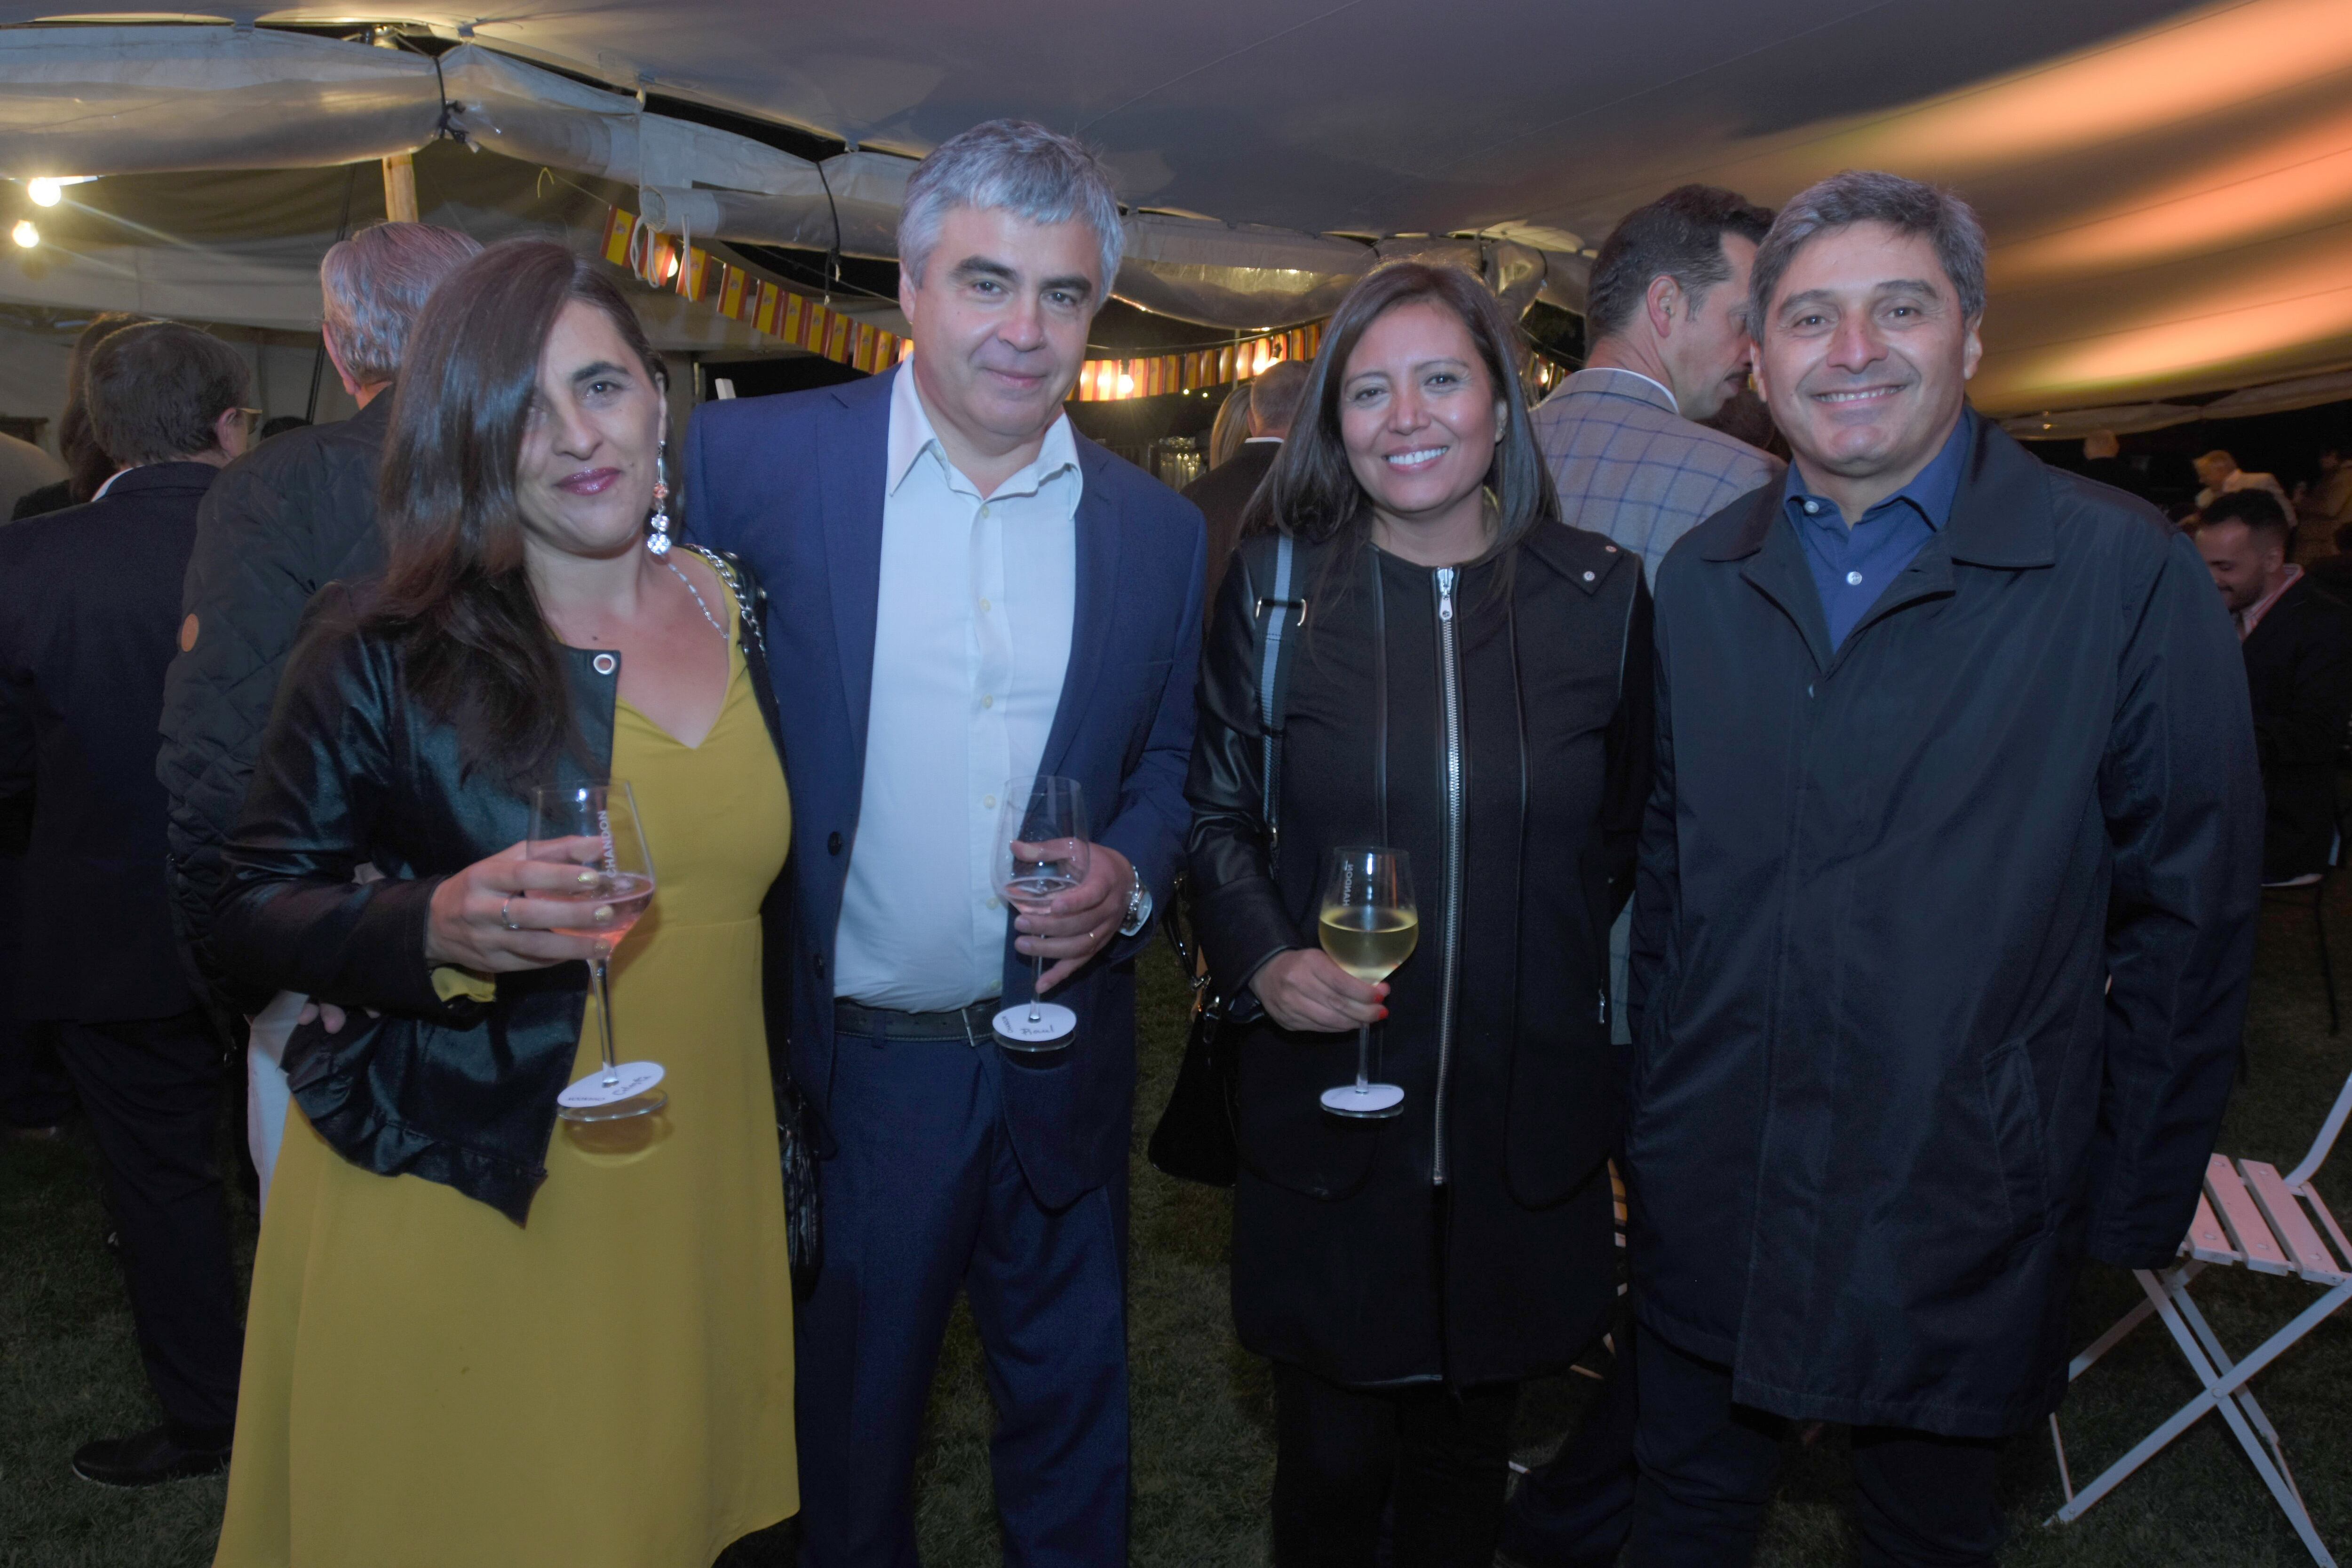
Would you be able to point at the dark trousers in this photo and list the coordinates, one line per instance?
(1433, 1461)
(1709, 1465)
(1575, 1511)
(34, 1089)
(924, 1198)
(152, 1088)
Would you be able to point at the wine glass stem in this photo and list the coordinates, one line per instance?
(603, 969)
(1036, 974)
(1363, 1058)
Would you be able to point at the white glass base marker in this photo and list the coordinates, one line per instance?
(626, 1090)
(1035, 1026)
(1368, 1099)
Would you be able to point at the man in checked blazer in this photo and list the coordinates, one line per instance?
(1669, 346)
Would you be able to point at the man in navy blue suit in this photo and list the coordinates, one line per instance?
(965, 591)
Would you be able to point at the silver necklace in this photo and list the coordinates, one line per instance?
(697, 595)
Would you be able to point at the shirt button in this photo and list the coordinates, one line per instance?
(983, 513)
(989, 802)
(1853, 579)
(997, 903)
(1812, 508)
(988, 702)
(984, 607)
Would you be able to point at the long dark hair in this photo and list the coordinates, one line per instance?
(1311, 492)
(480, 653)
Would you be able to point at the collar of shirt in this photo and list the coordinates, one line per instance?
(2252, 615)
(100, 493)
(1603, 378)
(1930, 492)
(912, 435)
(1260, 440)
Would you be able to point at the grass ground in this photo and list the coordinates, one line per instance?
(1203, 1413)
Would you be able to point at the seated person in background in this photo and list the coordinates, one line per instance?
(2333, 574)
(2295, 638)
(2220, 474)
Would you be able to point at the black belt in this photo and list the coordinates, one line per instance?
(969, 1025)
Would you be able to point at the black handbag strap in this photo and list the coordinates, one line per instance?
(1274, 650)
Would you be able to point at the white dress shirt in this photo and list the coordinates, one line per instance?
(972, 639)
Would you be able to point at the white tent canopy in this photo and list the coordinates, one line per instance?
(2167, 185)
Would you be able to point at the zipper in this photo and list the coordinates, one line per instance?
(1449, 687)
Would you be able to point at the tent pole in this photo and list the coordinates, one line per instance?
(399, 188)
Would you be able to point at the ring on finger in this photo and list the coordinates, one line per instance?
(506, 914)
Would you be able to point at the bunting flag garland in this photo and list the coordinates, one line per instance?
(805, 323)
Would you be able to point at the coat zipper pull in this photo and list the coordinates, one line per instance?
(1445, 593)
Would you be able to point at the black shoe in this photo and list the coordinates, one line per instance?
(148, 1458)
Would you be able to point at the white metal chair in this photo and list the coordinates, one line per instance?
(2249, 1217)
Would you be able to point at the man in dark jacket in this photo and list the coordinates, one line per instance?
(1944, 914)
(2298, 645)
(88, 597)
(1224, 493)
(294, 514)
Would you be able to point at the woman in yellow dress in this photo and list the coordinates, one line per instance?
(479, 1336)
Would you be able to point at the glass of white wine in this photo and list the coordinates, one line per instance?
(1369, 926)
(596, 828)
(1041, 850)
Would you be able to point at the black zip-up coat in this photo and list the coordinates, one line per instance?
(355, 769)
(292, 515)
(1884, 1099)
(1469, 1237)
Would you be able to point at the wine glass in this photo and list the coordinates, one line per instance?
(1369, 926)
(1041, 850)
(597, 828)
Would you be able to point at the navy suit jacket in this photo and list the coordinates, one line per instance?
(794, 484)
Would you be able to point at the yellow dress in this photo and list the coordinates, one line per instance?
(427, 1384)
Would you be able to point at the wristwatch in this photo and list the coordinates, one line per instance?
(1138, 906)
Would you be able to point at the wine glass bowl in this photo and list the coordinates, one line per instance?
(1368, 925)
(596, 828)
(1042, 851)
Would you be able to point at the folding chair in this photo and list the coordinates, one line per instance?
(2249, 1217)
(2309, 891)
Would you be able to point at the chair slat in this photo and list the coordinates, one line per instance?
(2205, 1241)
(2242, 1219)
(2327, 1221)
(2289, 1225)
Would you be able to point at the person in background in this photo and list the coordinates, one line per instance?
(89, 598)
(480, 1338)
(2102, 459)
(1944, 921)
(297, 512)
(87, 463)
(968, 592)
(24, 468)
(1224, 491)
(2334, 572)
(2327, 499)
(1231, 428)
(1406, 1276)
(2297, 640)
(2220, 475)
(1667, 306)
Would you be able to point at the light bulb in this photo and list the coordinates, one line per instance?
(1126, 385)
(44, 192)
(25, 234)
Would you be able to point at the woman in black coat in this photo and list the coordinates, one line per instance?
(1469, 681)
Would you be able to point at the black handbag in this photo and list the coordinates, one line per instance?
(1195, 1140)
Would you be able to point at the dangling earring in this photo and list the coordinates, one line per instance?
(659, 540)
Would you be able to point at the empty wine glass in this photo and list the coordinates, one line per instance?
(597, 828)
(1041, 850)
(1369, 926)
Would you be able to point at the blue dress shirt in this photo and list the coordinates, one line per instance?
(1853, 566)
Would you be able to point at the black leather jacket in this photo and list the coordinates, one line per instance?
(354, 770)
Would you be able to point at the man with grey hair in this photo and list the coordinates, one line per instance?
(292, 515)
(1944, 914)
(966, 594)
